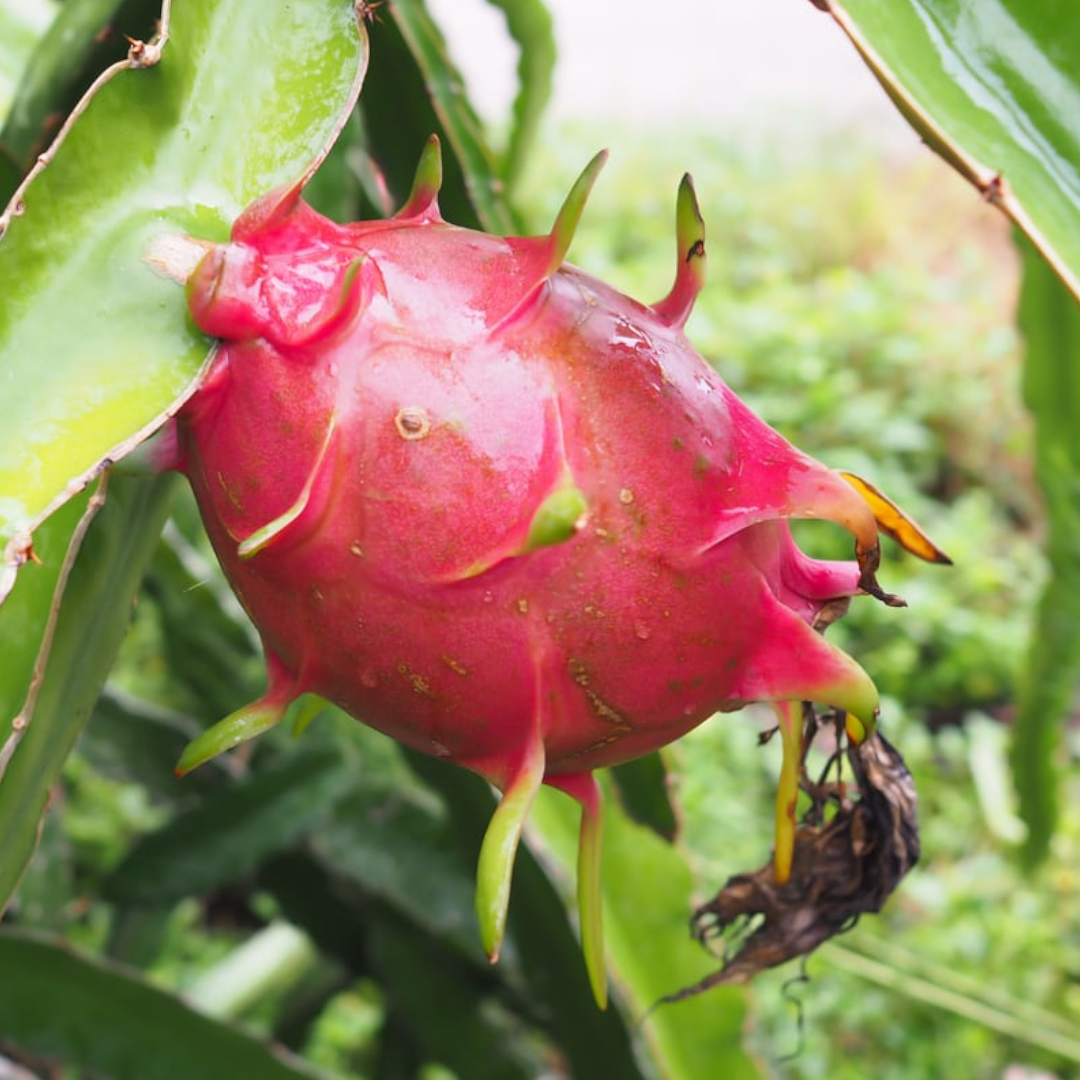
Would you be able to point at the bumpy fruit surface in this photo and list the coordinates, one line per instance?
(501, 512)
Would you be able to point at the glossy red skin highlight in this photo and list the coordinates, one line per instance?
(428, 387)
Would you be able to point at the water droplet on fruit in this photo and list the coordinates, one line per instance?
(626, 334)
(642, 630)
(369, 679)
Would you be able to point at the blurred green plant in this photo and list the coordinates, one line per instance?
(993, 88)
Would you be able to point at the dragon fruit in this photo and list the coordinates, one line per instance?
(503, 513)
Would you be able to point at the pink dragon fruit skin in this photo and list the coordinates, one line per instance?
(501, 512)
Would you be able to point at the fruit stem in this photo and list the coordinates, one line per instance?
(789, 715)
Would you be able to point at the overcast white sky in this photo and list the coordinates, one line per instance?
(744, 63)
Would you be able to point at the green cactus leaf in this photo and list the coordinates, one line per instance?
(994, 88)
(529, 23)
(83, 39)
(93, 346)
(233, 829)
(131, 738)
(9, 175)
(1050, 323)
(643, 787)
(22, 25)
(404, 840)
(95, 349)
(209, 643)
(411, 67)
(29, 606)
(91, 618)
(67, 1007)
(443, 1004)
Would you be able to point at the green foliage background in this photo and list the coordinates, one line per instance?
(317, 895)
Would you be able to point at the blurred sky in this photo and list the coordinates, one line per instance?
(773, 67)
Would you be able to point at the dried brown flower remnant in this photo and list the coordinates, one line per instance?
(852, 848)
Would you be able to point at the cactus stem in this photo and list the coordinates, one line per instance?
(789, 715)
